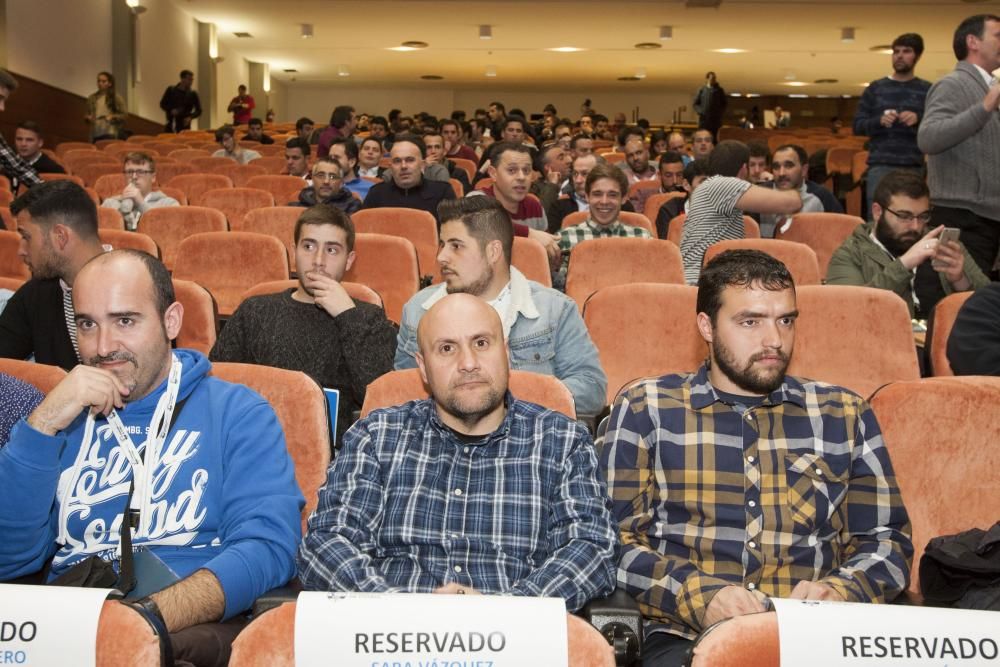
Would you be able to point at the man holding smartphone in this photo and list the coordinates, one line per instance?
(893, 252)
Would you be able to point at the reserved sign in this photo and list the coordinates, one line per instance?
(424, 630)
(841, 633)
(49, 625)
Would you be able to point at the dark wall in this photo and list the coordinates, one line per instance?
(808, 112)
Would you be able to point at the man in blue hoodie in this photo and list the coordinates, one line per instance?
(214, 502)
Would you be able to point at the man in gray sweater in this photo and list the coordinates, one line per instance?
(961, 135)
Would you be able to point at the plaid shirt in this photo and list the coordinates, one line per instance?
(14, 166)
(408, 507)
(798, 488)
(588, 229)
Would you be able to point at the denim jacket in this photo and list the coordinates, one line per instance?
(547, 337)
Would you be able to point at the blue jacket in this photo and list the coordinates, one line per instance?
(224, 493)
(548, 337)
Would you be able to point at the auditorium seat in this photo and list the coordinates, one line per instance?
(92, 193)
(166, 171)
(387, 264)
(274, 164)
(530, 258)
(235, 203)
(239, 174)
(41, 376)
(798, 257)
(284, 188)
(164, 148)
(11, 264)
(229, 263)
(201, 316)
(856, 337)
(301, 408)
(457, 187)
(467, 165)
(626, 218)
(945, 313)
(109, 218)
(205, 164)
(750, 640)
(823, 232)
(941, 434)
(614, 158)
(398, 387)
(92, 171)
(186, 154)
(652, 184)
(13, 284)
(598, 263)
(276, 221)
(119, 238)
(751, 230)
(643, 330)
(56, 176)
(192, 185)
(277, 149)
(104, 144)
(651, 208)
(169, 225)
(66, 146)
(419, 227)
(78, 158)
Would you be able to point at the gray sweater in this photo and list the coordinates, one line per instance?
(962, 141)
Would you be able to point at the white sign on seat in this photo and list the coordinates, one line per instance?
(377, 630)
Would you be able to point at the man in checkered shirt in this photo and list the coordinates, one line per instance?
(738, 482)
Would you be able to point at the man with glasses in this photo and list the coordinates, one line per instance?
(328, 188)
(138, 196)
(892, 253)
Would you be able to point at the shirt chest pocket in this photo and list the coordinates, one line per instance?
(534, 353)
(816, 488)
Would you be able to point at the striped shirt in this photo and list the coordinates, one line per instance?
(588, 229)
(712, 216)
(408, 506)
(709, 495)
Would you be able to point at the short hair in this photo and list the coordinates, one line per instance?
(912, 40)
(974, 25)
(328, 159)
(513, 118)
(449, 121)
(609, 171)
(670, 157)
(411, 139)
(695, 168)
(255, 121)
(577, 138)
(350, 147)
(242, 86)
(62, 202)
(629, 131)
(430, 132)
(186, 72)
(139, 157)
(326, 214)
(223, 132)
(728, 158)
(500, 107)
(374, 140)
(502, 147)
(30, 126)
(341, 115)
(550, 108)
(7, 81)
(739, 268)
(899, 182)
(759, 149)
(163, 286)
(599, 118)
(484, 218)
(301, 144)
(801, 152)
(302, 122)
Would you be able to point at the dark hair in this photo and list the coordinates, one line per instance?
(599, 118)
(350, 149)
(411, 139)
(514, 118)
(326, 214)
(500, 107)
(628, 131)
(372, 139)
(301, 144)
(186, 72)
(609, 171)
(110, 96)
(728, 158)
(63, 202)
(223, 132)
(163, 286)
(900, 182)
(759, 149)
(447, 121)
(378, 120)
(139, 157)
(801, 152)
(739, 268)
(701, 129)
(502, 147)
(912, 40)
(974, 25)
(484, 218)
(302, 122)
(7, 81)
(550, 108)
(31, 126)
(670, 157)
(341, 115)
(643, 123)
(242, 86)
(576, 139)
(655, 136)
(694, 169)
(255, 121)
(394, 114)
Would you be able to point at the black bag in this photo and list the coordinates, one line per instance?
(963, 570)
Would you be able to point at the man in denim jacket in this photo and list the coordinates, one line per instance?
(544, 330)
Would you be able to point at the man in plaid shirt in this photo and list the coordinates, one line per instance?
(10, 162)
(469, 491)
(739, 483)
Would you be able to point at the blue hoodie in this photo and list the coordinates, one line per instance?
(224, 493)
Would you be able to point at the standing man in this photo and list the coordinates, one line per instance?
(242, 106)
(138, 196)
(710, 105)
(890, 112)
(961, 136)
(11, 162)
(181, 103)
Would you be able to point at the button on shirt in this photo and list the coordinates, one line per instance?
(802, 490)
(409, 507)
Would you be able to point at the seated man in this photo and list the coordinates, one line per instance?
(702, 144)
(216, 502)
(606, 187)
(18, 399)
(638, 168)
(897, 253)
(510, 168)
(575, 190)
(760, 162)
(226, 136)
(541, 325)
(974, 343)
(297, 158)
(345, 152)
(790, 171)
(386, 521)
(255, 132)
(316, 328)
(408, 187)
(739, 482)
(138, 196)
(328, 188)
(437, 167)
(28, 144)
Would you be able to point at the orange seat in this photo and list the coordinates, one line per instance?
(110, 185)
(614, 158)
(837, 334)
(105, 144)
(276, 221)
(13, 284)
(75, 158)
(206, 164)
(598, 263)
(201, 316)
(626, 218)
(823, 232)
(419, 227)
(169, 225)
(192, 185)
(651, 209)
(109, 218)
(355, 290)
(56, 176)
(457, 187)
(92, 171)
(92, 193)
(42, 377)
(119, 238)
(945, 313)
(270, 150)
(274, 165)
(653, 184)
(284, 188)
(239, 174)
(64, 147)
(467, 165)
(167, 171)
(187, 154)
(798, 257)
(642, 330)
(751, 230)
(234, 202)
(11, 264)
(530, 258)
(483, 183)
(387, 264)
(227, 264)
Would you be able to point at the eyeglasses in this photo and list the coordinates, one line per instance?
(132, 173)
(323, 176)
(906, 216)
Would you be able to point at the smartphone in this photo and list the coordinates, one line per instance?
(948, 234)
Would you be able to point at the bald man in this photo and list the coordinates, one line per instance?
(412, 501)
(218, 508)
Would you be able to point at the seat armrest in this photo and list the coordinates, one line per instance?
(276, 597)
(618, 618)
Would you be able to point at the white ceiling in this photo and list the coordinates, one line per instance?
(798, 39)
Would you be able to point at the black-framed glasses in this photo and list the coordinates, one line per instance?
(906, 216)
(132, 173)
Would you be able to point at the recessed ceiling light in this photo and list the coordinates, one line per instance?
(826, 81)
(491, 71)
(799, 95)
(414, 44)
(307, 30)
(648, 45)
(343, 70)
(666, 32)
(730, 51)
(432, 77)
(796, 84)
(847, 35)
(736, 94)
(629, 78)
(290, 70)
(565, 49)
(485, 32)
(753, 94)
(243, 35)
(882, 48)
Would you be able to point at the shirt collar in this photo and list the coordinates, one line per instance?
(604, 229)
(500, 433)
(703, 394)
(520, 295)
(987, 77)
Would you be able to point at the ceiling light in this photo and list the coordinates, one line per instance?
(790, 76)
(491, 71)
(343, 70)
(432, 77)
(485, 32)
(882, 48)
(847, 35)
(796, 84)
(415, 44)
(826, 81)
(628, 78)
(640, 73)
(243, 35)
(798, 95)
(666, 32)
(753, 94)
(565, 49)
(132, 3)
(736, 94)
(290, 70)
(307, 30)
(730, 51)
(648, 46)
